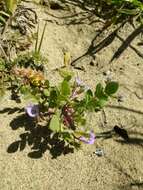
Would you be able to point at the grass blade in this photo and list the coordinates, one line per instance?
(37, 38)
(41, 40)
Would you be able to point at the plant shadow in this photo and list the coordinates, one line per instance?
(89, 11)
(134, 138)
(95, 47)
(38, 137)
(11, 110)
(126, 109)
(132, 141)
(106, 15)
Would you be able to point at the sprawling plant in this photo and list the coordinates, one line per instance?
(62, 108)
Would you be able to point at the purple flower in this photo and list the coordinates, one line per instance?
(90, 140)
(81, 83)
(32, 110)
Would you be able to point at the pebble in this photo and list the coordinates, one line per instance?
(99, 152)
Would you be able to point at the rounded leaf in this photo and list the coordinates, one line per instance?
(55, 123)
(46, 92)
(111, 88)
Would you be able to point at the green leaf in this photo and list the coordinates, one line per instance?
(66, 136)
(99, 104)
(65, 73)
(111, 88)
(31, 98)
(89, 100)
(128, 11)
(80, 106)
(27, 94)
(65, 88)
(46, 83)
(25, 90)
(46, 92)
(55, 123)
(53, 99)
(88, 96)
(4, 13)
(89, 93)
(2, 67)
(80, 119)
(2, 19)
(99, 93)
(11, 5)
(99, 90)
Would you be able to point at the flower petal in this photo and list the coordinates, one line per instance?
(81, 83)
(78, 81)
(90, 140)
(32, 110)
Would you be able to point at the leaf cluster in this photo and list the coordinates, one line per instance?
(65, 105)
(128, 8)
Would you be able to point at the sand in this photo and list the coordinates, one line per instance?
(121, 166)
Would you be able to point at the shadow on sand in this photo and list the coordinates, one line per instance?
(104, 13)
(37, 137)
(93, 49)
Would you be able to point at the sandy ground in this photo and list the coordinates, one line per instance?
(121, 166)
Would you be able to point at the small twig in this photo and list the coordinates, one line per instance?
(104, 118)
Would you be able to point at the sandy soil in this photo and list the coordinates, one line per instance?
(121, 166)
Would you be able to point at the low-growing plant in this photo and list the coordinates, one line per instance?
(129, 8)
(62, 108)
(32, 61)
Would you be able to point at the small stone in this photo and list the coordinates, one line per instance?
(99, 152)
